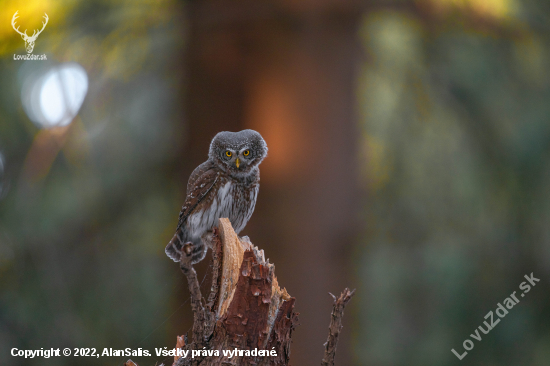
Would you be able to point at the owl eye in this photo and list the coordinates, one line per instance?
(246, 152)
(228, 153)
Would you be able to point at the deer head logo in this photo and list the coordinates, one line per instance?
(29, 41)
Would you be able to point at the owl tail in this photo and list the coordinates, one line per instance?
(173, 249)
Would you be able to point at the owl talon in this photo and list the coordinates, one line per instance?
(186, 257)
(188, 248)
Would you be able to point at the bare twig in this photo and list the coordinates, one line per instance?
(335, 325)
(217, 258)
(201, 314)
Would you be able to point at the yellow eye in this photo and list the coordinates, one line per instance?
(246, 152)
(228, 153)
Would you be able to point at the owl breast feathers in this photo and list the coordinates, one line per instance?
(226, 185)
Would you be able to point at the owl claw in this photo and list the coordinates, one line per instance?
(188, 248)
(186, 261)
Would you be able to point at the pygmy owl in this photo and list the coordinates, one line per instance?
(225, 185)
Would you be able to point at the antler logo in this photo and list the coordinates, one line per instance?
(29, 41)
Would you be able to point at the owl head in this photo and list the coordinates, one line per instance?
(238, 153)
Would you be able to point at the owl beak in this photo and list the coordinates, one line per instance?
(237, 163)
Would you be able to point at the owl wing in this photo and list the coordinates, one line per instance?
(199, 186)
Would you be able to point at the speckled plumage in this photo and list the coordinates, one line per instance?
(222, 186)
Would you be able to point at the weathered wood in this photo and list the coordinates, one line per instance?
(247, 310)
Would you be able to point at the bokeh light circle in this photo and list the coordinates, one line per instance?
(54, 98)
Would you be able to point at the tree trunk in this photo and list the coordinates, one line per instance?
(248, 318)
(247, 311)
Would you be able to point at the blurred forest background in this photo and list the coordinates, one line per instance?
(409, 158)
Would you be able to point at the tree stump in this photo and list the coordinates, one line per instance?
(248, 319)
